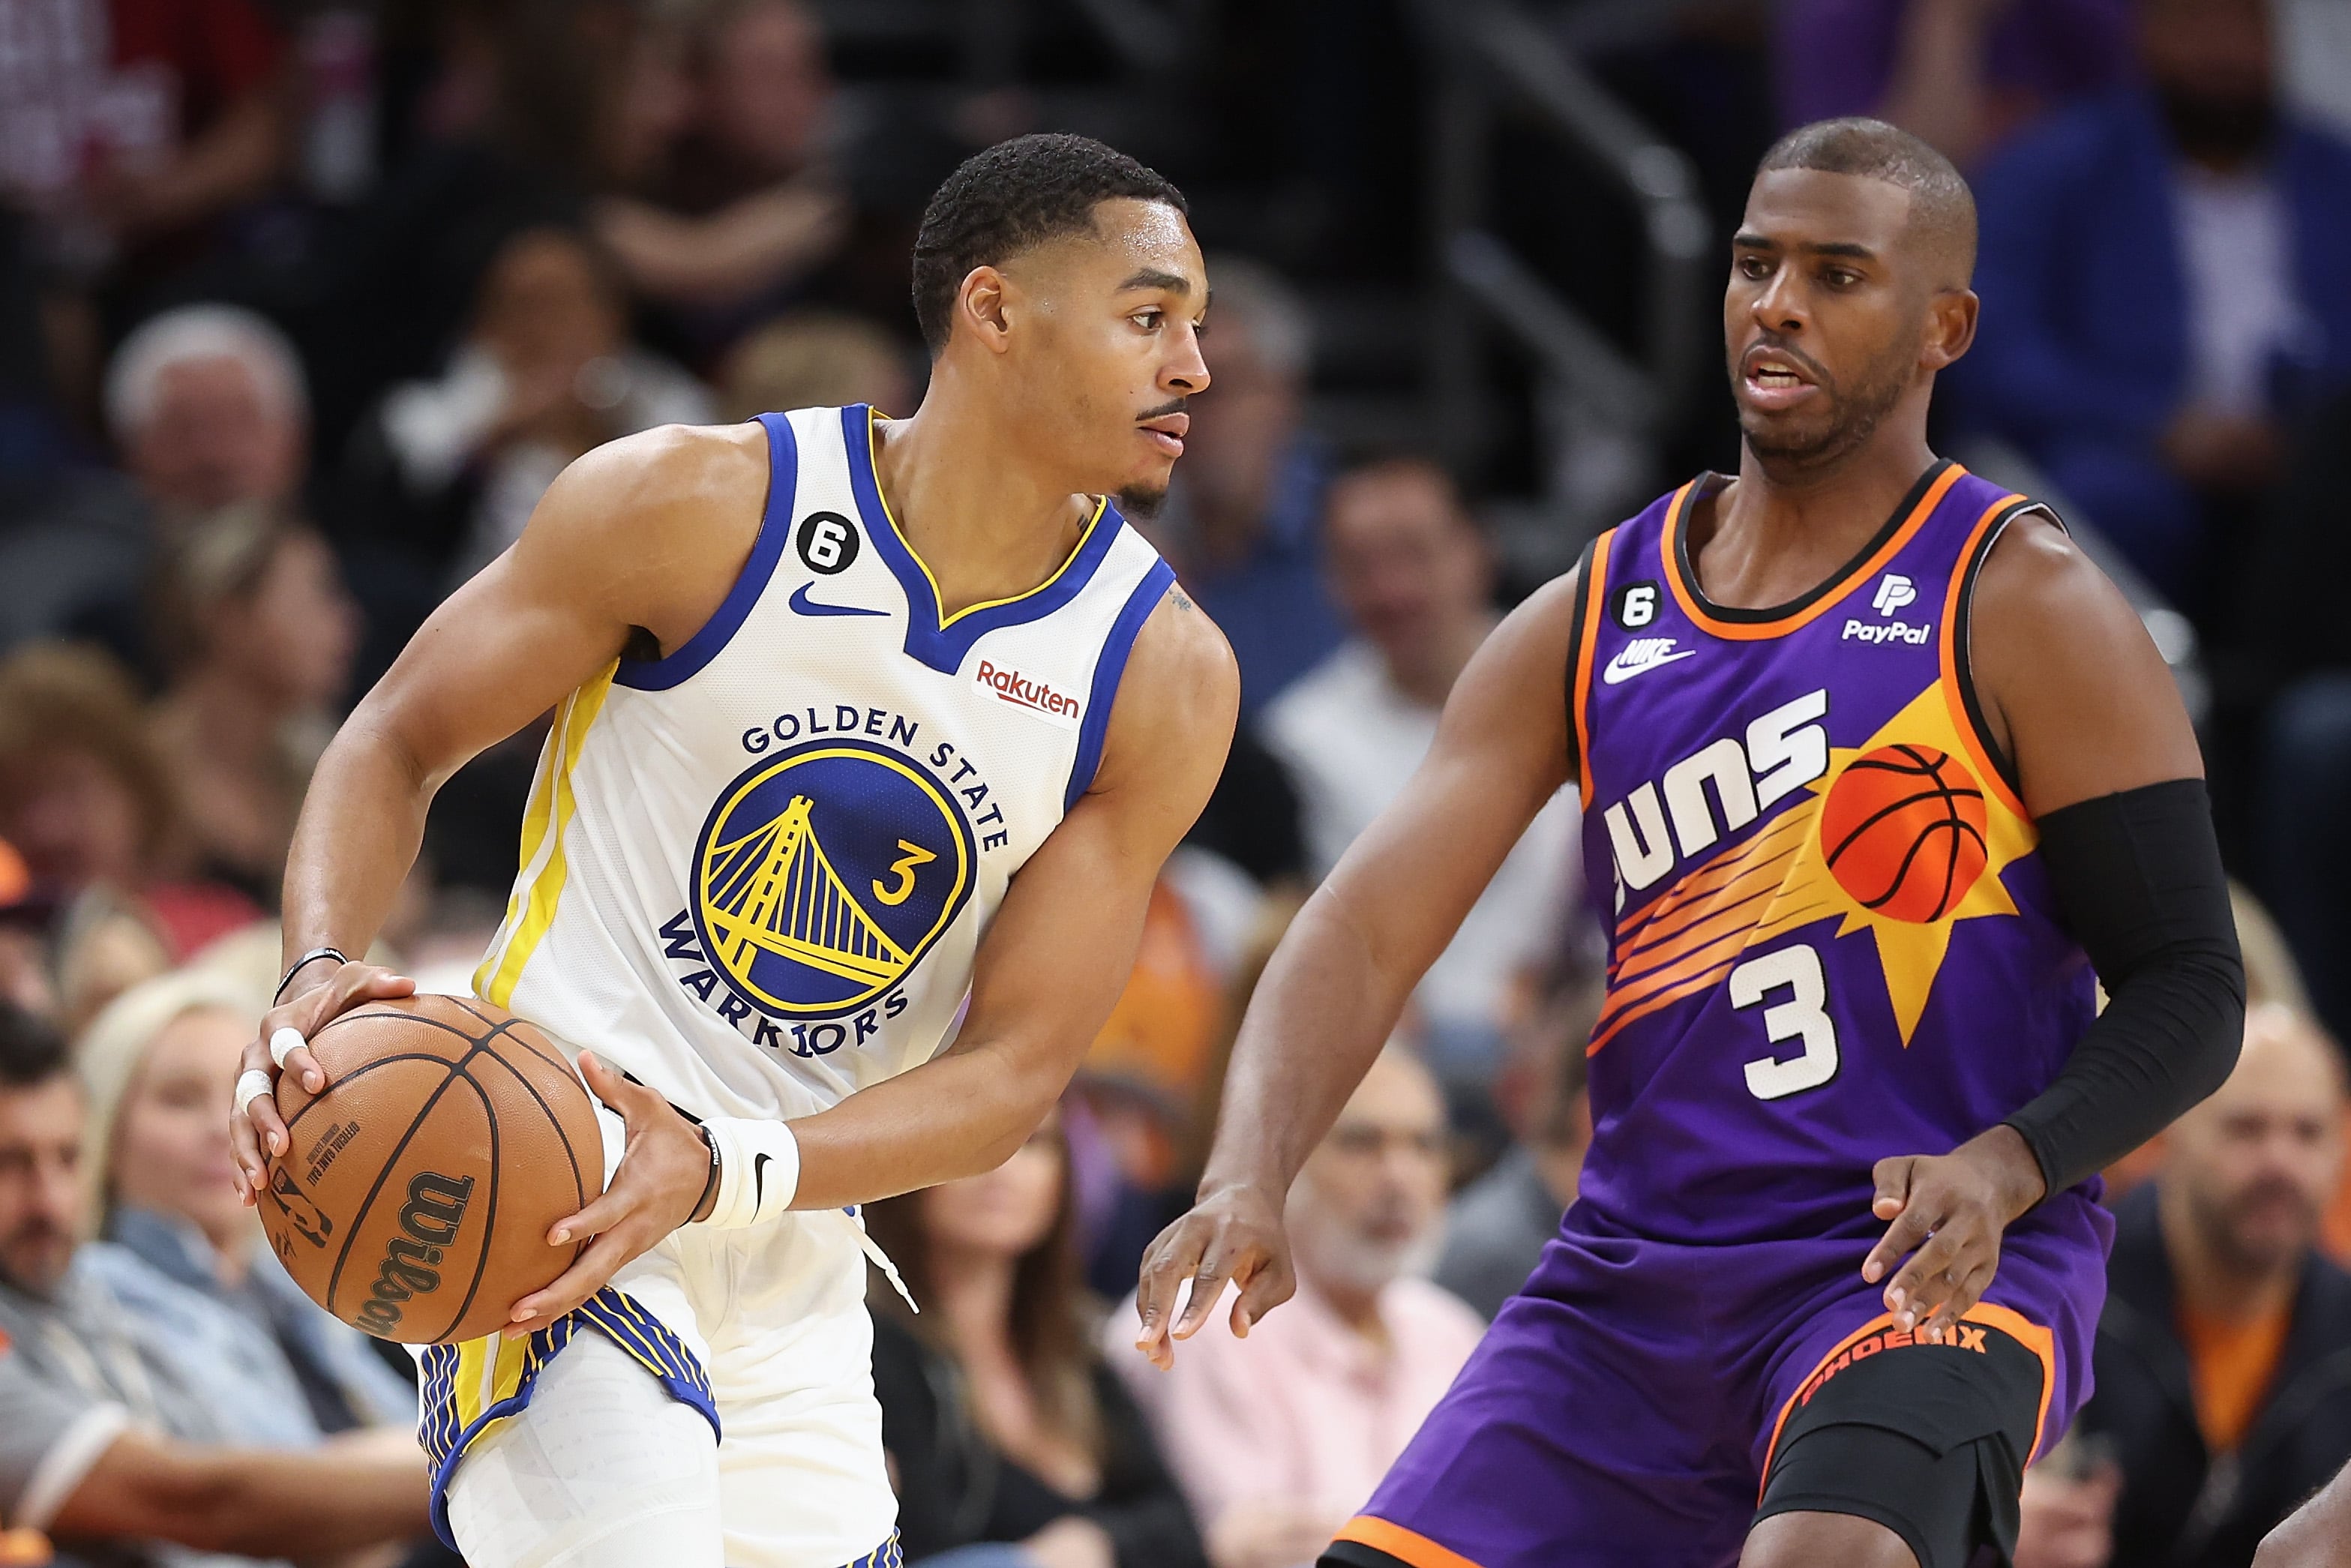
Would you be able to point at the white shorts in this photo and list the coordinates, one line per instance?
(763, 1331)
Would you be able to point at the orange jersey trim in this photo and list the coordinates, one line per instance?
(1595, 589)
(1405, 1545)
(2033, 1337)
(1676, 527)
(1953, 693)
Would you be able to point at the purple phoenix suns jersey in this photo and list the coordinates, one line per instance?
(1830, 936)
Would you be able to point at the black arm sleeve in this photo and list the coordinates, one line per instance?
(2137, 877)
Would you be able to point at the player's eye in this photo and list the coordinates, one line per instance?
(1841, 278)
(1148, 320)
(1754, 268)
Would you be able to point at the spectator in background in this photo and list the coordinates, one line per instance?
(2218, 1363)
(1240, 524)
(1001, 1424)
(1961, 74)
(2166, 275)
(1278, 1438)
(1496, 1225)
(743, 206)
(815, 359)
(257, 634)
(127, 123)
(106, 1428)
(87, 800)
(447, 471)
(1415, 579)
(91, 1316)
(159, 1070)
(207, 408)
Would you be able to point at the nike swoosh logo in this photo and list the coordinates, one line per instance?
(758, 1180)
(804, 605)
(1618, 671)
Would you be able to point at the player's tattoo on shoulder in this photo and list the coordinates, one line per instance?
(1175, 597)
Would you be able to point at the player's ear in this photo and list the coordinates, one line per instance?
(981, 302)
(1951, 326)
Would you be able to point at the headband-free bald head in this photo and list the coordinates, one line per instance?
(1942, 227)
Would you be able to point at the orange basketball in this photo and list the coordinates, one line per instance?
(1903, 829)
(419, 1187)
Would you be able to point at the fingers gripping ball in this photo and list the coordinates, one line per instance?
(1904, 833)
(418, 1188)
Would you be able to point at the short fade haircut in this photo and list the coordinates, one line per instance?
(1011, 198)
(31, 1051)
(1942, 208)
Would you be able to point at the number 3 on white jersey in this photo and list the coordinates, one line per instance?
(1797, 971)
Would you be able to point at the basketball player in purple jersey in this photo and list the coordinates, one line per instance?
(1878, 769)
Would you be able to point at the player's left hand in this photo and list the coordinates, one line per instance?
(654, 1191)
(1948, 1213)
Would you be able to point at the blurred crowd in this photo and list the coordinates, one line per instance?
(303, 303)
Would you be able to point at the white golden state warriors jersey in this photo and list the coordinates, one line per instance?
(754, 872)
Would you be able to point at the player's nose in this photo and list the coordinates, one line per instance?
(1186, 373)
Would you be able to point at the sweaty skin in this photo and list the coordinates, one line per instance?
(1833, 289)
(1063, 377)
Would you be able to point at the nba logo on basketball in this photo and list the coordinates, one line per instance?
(1894, 592)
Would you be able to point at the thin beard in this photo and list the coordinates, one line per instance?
(1841, 438)
(1139, 502)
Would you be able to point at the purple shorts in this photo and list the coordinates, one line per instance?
(1623, 1409)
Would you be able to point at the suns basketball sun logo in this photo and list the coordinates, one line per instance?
(1910, 841)
(824, 873)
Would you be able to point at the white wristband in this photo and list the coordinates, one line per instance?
(758, 1171)
(251, 1085)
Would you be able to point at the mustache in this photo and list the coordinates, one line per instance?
(1176, 406)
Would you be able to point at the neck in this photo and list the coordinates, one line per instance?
(2211, 1284)
(228, 715)
(1355, 1305)
(987, 513)
(1426, 674)
(972, 1291)
(1780, 529)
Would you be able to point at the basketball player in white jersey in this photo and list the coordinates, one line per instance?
(870, 737)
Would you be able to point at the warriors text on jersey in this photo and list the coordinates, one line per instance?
(755, 870)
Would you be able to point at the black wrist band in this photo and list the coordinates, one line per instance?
(304, 961)
(710, 1182)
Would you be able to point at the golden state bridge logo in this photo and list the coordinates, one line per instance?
(825, 873)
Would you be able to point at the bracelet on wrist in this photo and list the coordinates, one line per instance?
(304, 962)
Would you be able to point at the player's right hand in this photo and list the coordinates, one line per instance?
(317, 995)
(1234, 1233)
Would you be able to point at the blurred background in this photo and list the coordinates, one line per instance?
(303, 303)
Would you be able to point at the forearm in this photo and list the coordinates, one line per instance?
(1319, 1015)
(958, 1115)
(238, 158)
(1937, 90)
(2139, 876)
(362, 825)
(250, 1502)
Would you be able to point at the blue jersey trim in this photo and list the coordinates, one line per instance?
(636, 1331)
(1109, 669)
(775, 529)
(936, 639)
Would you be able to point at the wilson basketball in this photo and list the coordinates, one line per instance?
(1903, 829)
(417, 1190)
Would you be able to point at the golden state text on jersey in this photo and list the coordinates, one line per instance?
(755, 871)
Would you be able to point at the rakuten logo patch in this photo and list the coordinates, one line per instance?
(1012, 686)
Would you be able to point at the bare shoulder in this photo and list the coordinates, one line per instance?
(1173, 719)
(656, 525)
(2072, 685)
